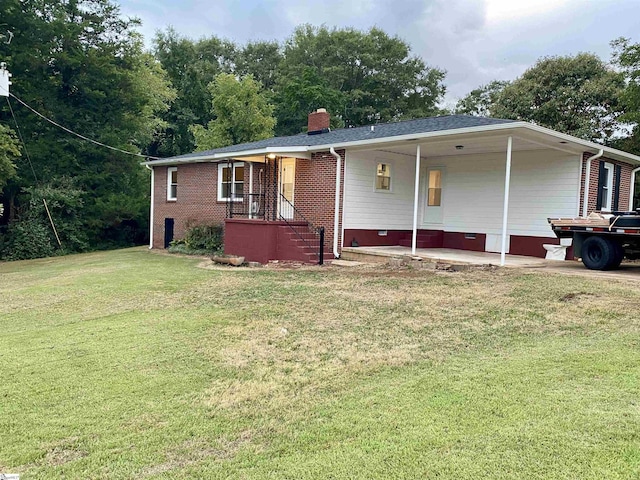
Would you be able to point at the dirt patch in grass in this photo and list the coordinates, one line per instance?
(193, 451)
(64, 451)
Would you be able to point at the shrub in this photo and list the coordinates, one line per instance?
(204, 237)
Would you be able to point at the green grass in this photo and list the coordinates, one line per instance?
(131, 364)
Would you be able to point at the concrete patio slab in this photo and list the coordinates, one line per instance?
(383, 254)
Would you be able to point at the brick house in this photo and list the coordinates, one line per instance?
(431, 182)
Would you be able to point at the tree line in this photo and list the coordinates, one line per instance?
(83, 65)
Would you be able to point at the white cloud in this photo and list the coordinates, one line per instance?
(474, 41)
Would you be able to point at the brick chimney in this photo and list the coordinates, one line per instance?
(318, 122)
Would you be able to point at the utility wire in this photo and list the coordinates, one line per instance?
(24, 145)
(77, 134)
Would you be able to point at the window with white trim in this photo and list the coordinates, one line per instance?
(230, 181)
(607, 188)
(172, 183)
(383, 177)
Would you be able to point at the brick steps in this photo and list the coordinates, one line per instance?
(299, 245)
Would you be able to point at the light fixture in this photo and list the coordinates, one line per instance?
(271, 156)
(459, 147)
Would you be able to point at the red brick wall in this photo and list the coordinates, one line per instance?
(196, 199)
(625, 182)
(315, 191)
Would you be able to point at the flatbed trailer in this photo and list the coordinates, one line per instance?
(602, 241)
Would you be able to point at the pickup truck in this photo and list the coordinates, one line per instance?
(601, 240)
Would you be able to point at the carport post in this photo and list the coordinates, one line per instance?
(415, 203)
(505, 214)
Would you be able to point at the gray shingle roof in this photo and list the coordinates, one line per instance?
(346, 135)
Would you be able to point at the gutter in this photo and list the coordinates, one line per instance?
(151, 207)
(587, 176)
(336, 216)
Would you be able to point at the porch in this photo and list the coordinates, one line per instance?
(383, 254)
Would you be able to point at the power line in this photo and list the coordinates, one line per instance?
(24, 145)
(77, 134)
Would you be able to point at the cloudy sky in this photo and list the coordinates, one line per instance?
(475, 41)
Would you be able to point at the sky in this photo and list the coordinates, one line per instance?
(475, 41)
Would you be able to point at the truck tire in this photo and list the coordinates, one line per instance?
(599, 253)
(619, 255)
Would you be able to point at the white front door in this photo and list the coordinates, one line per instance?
(287, 183)
(434, 195)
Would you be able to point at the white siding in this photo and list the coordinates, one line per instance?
(364, 207)
(543, 184)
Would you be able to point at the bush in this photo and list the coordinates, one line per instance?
(199, 240)
(204, 237)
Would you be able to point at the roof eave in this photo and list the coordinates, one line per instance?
(299, 152)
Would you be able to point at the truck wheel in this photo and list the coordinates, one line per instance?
(619, 255)
(599, 253)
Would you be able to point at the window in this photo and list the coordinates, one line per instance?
(230, 181)
(434, 198)
(383, 177)
(607, 187)
(172, 183)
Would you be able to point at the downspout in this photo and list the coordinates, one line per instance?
(587, 176)
(336, 216)
(153, 174)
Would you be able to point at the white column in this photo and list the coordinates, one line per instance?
(505, 214)
(153, 174)
(415, 203)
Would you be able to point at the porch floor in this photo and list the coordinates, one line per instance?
(445, 255)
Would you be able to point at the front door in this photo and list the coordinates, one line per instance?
(287, 183)
(434, 197)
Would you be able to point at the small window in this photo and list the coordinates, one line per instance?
(172, 183)
(230, 181)
(435, 188)
(383, 177)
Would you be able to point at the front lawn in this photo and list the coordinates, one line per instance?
(131, 364)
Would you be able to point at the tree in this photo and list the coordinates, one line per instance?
(242, 114)
(577, 95)
(261, 60)
(377, 77)
(79, 63)
(305, 94)
(479, 102)
(9, 151)
(191, 66)
(31, 235)
(626, 57)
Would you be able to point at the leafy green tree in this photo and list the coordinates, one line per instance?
(305, 94)
(31, 235)
(191, 66)
(479, 102)
(83, 65)
(578, 95)
(377, 77)
(626, 57)
(9, 151)
(242, 113)
(261, 60)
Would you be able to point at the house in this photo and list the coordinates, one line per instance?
(453, 181)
